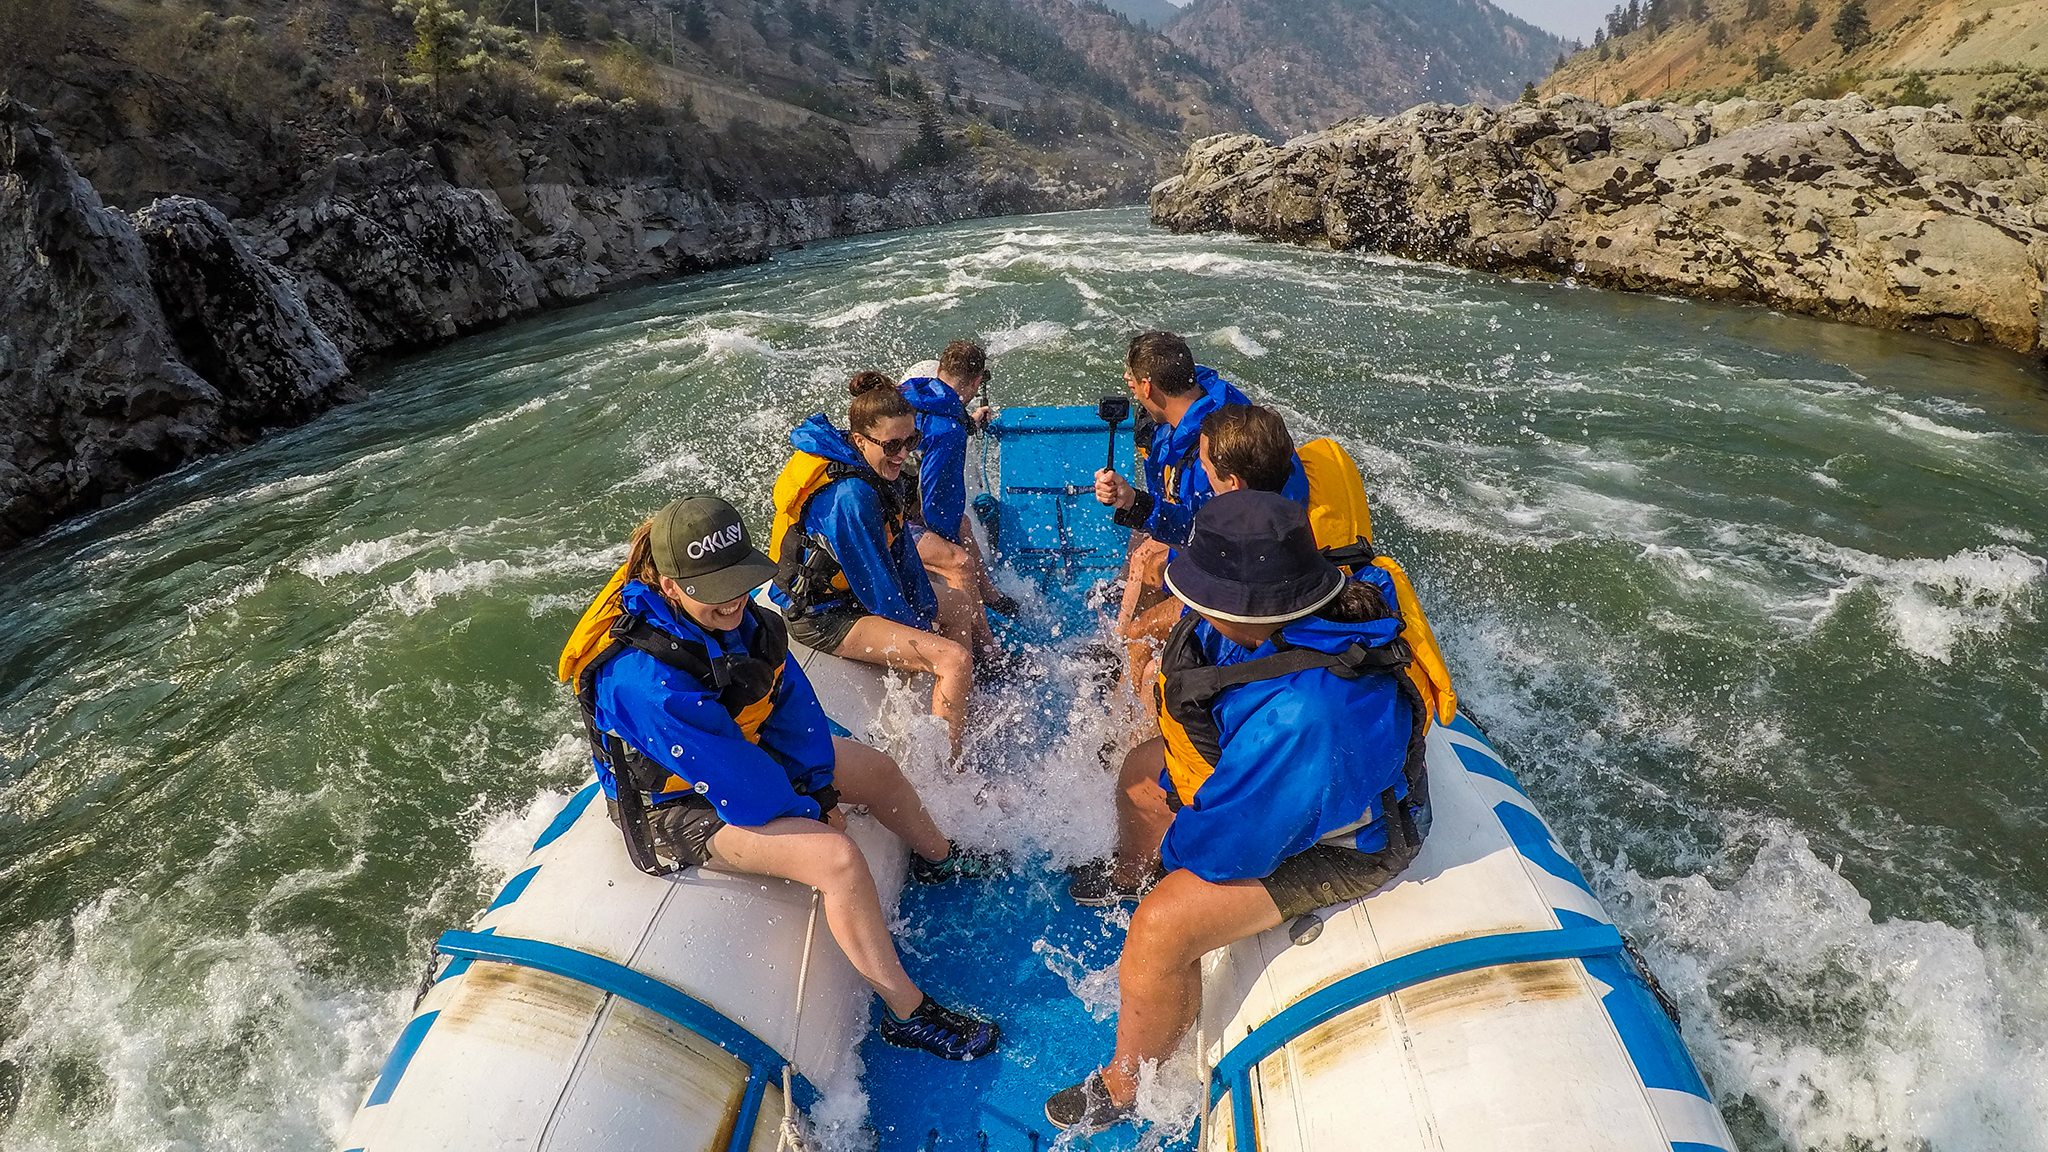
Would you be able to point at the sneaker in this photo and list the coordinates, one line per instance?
(1095, 885)
(959, 864)
(1086, 1108)
(939, 1030)
(1002, 604)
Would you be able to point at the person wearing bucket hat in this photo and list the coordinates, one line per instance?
(711, 747)
(1287, 776)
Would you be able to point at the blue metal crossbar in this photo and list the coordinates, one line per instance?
(764, 1064)
(1234, 1072)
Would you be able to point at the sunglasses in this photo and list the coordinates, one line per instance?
(895, 447)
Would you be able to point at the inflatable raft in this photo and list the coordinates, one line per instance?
(1483, 1000)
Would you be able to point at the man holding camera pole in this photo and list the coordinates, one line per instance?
(1176, 393)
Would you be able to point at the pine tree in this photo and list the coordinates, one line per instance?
(1806, 15)
(1852, 26)
(696, 21)
(1529, 92)
(440, 34)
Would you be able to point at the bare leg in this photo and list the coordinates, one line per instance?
(1142, 816)
(868, 776)
(988, 589)
(946, 560)
(1160, 975)
(827, 859)
(1143, 638)
(963, 620)
(1142, 579)
(880, 640)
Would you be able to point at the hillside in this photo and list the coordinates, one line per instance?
(1306, 64)
(1982, 57)
(1155, 70)
(239, 102)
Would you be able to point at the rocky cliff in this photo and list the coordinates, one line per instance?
(1900, 218)
(133, 344)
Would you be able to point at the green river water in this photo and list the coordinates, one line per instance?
(1753, 604)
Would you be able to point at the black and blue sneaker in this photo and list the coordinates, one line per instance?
(939, 1030)
(959, 864)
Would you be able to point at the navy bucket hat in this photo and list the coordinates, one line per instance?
(1252, 559)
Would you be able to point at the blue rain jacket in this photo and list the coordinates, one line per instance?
(1169, 523)
(1303, 756)
(677, 722)
(886, 579)
(942, 469)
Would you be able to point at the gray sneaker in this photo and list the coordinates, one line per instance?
(1086, 1108)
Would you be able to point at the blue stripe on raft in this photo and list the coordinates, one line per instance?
(1233, 1072)
(513, 889)
(1460, 724)
(1482, 764)
(838, 729)
(401, 1055)
(460, 964)
(636, 987)
(1690, 1146)
(1534, 842)
(567, 817)
(1653, 1044)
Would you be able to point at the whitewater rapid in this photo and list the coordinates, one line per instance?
(1753, 604)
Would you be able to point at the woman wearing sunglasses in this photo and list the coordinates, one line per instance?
(848, 576)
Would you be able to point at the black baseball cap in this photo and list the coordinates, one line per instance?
(1252, 559)
(701, 543)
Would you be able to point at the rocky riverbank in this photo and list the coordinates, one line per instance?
(134, 343)
(1900, 217)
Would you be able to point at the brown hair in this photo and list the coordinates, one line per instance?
(1358, 603)
(640, 556)
(875, 399)
(963, 360)
(1250, 443)
(1163, 359)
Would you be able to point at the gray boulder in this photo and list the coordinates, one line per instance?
(1907, 218)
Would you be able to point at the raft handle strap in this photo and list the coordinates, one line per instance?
(1233, 1073)
(763, 1063)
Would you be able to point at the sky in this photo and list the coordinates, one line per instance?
(1571, 19)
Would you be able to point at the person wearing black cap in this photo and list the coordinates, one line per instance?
(711, 747)
(1287, 776)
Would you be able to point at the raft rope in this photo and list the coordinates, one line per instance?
(790, 1138)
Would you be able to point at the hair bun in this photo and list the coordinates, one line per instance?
(866, 382)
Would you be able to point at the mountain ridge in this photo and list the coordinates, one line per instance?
(1306, 64)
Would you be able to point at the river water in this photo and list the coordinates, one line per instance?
(1753, 604)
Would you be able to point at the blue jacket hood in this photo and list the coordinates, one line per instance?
(935, 397)
(818, 437)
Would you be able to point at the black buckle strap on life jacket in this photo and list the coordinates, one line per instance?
(739, 681)
(1354, 557)
(1170, 476)
(804, 564)
(1191, 686)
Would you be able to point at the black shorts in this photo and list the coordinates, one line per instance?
(1324, 874)
(825, 631)
(681, 829)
